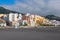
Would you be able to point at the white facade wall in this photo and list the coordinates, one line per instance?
(15, 16)
(28, 14)
(24, 21)
(20, 16)
(11, 15)
(54, 22)
(32, 23)
(17, 24)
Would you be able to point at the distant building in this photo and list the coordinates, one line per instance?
(16, 17)
(5, 17)
(32, 20)
(46, 21)
(1, 15)
(27, 18)
(20, 16)
(11, 17)
(39, 19)
(32, 23)
(55, 22)
(36, 19)
(2, 23)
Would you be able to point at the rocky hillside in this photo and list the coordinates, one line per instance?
(53, 17)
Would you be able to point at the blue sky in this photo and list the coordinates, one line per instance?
(40, 7)
(9, 2)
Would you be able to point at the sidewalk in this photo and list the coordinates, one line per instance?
(30, 27)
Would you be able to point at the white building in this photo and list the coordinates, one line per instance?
(17, 24)
(13, 17)
(32, 22)
(24, 21)
(16, 17)
(20, 16)
(28, 14)
(55, 22)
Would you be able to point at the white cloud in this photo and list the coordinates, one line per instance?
(28, 6)
(55, 4)
(36, 6)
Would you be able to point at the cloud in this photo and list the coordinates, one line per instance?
(29, 6)
(55, 4)
(40, 7)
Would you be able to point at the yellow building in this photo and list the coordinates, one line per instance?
(38, 19)
(2, 15)
(46, 21)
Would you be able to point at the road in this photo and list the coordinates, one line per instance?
(29, 36)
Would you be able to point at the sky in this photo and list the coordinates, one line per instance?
(40, 7)
(6, 2)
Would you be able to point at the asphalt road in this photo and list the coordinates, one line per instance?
(29, 35)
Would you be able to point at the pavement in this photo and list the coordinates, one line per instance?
(48, 33)
(39, 29)
(16, 35)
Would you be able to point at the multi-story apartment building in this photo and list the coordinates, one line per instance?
(11, 17)
(26, 19)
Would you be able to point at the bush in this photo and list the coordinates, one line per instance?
(46, 25)
(25, 24)
(21, 24)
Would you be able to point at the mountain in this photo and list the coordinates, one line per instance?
(53, 17)
(6, 11)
